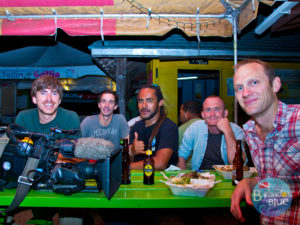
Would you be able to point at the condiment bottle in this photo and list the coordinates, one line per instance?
(125, 163)
(237, 171)
(149, 167)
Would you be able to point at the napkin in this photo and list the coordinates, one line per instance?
(172, 168)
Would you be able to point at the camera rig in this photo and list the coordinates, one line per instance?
(29, 160)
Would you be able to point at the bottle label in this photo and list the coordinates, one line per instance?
(148, 170)
(148, 152)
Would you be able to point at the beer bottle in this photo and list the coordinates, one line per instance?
(237, 171)
(149, 167)
(125, 162)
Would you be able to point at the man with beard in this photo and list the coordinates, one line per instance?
(154, 129)
(106, 125)
(47, 93)
(212, 140)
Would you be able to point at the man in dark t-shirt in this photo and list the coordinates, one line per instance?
(164, 142)
(47, 93)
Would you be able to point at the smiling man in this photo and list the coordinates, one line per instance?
(47, 93)
(272, 134)
(154, 129)
(212, 140)
(106, 125)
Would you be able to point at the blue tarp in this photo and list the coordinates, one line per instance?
(60, 60)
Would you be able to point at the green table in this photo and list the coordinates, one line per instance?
(134, 195)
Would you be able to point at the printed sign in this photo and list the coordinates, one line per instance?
(271, 197)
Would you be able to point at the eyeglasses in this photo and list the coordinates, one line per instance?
(216, 109)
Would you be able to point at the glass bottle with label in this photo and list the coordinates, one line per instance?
(149, 167)
(126, 161)
(237, 171)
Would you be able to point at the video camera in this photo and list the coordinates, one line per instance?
(63, 177)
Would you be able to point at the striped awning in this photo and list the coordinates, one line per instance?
(124, 17)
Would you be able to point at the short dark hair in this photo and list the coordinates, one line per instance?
(268, 70)
(46, 82)
(192, 107)
(107, 91)
(214, 96)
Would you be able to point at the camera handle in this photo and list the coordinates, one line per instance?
(26, 179)
(56, 130)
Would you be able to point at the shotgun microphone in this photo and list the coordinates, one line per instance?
(87, 148)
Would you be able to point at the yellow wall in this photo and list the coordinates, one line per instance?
(164, 73)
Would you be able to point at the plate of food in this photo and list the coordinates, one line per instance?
(191, 184)
(226, 171)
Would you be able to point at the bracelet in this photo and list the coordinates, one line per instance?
(130, 152)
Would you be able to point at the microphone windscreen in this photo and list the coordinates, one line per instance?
(93, 148)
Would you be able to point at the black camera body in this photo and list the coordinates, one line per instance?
(12, 164)
(63, 178)
(67, 178)
(14, 158)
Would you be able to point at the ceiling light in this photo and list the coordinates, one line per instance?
(187, 78)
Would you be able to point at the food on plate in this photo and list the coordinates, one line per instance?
(191, 184)
(192, 178)
(195, 175)
(229, 168)
(226, 171)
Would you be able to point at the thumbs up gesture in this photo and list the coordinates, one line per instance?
(137, 146)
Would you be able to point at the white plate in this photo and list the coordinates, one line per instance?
(198, 188)
(228, 174)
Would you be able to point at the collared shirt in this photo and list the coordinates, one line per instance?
(279, 155)
(195, 138)
(183, 128)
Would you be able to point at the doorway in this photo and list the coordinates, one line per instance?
(196, 85)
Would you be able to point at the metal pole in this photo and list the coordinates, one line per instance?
(234, 24)
(121, 83)
(12, 17)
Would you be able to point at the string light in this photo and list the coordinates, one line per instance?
(174, 22)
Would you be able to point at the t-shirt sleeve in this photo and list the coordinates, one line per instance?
(124, 127)
(169, 137)
(20, 119)
(25, 120)
(75, 121)
(70, 121)
(84, 127)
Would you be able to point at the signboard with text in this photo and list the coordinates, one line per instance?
(58, 72)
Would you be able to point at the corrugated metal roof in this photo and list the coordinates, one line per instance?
(270, 46)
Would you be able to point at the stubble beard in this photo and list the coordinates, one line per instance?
(152, 114)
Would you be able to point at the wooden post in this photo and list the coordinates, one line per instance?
(121, 83)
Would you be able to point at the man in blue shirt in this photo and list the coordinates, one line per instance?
(212, 140)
